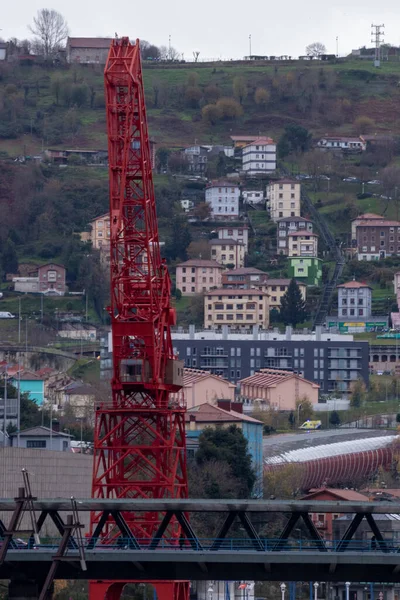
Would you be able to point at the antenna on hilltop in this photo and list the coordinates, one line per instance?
(377, 35)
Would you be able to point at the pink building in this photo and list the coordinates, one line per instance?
(197, 276)
(277, 390)
(52, 279)
(202, 386)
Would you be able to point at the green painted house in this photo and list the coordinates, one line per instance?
(306, 269)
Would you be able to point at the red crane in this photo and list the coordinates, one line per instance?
(139, 447)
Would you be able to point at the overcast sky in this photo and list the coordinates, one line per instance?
(218, 28)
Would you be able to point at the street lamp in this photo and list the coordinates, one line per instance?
(300, 406)
(283, 590)
(316, 586)
(347, 584)
(210, 591)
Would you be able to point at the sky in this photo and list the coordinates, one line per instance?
(218, 28)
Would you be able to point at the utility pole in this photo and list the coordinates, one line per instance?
(337, 45)
(5, 403)
(19, 320)
(377, 35)
(169, 46)
(41, 309)
(250, 45)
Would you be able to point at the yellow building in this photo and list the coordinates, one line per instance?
(228, 252)
(100, 233)
(283, 199)
(276, 288)
(302, 243)
(239, 309)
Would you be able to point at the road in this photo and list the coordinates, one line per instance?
(276, 444)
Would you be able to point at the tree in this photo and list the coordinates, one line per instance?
(230, 109)
(363, 124)
(162, 155)
(315, 49)
(199, 249)
(398, 418)
(193, 96)
(294, 139)
(261, 96)
(358, 394)
(334, 418)
(176, 246)
(212, 93)
(304, 409)
(50, 29)
(293, 306)
(228, 445)
(9, 258)
(211, 113)
(239, 88)
(202, 211)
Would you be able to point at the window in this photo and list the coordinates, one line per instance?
(36, 443)
(239, 316)
(52, 275)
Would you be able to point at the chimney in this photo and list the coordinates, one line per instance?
(255, 332)
(192, 331)
(56, 426)
(192, 422)
(318, 331)
(288, 333)
(225, 332)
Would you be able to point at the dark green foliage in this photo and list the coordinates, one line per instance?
(228, 445)
(177, 245)
(293, 307)
(9, 259)
(334, 418)
(294, 139)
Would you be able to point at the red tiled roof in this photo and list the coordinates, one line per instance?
(208, 413)
(227, 292)
(337, 493)
(271, 377)
(283, 282)
(354, 284)
(245, 271)
(378, 223)
(191, 376)
(261, 141)
(368, 216)
(199, 262)
(89, 42)
(243, 138)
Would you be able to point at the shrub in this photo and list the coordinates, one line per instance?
(230, 108)
(363, 124)
(211, 113)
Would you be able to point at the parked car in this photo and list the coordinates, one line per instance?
(6, 315)
(351, 180)
(374, 182)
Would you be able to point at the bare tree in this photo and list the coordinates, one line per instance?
(50, 29)
(316, 49)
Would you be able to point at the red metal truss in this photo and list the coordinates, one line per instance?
(139, 447)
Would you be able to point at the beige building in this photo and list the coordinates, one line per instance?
(302, 243)
(239, 234)
(228, 252)
(283, 199)
(277, 390)
(197, 276)
(202, 386)
(276, 288)
(100, 232)
(239, 309)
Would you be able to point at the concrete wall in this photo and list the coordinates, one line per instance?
(52, 475)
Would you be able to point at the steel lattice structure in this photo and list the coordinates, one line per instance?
(139, 449)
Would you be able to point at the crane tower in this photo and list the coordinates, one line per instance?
(139, 448)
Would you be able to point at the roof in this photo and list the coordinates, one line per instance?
(105, 216)
(262, 141)
(50, 264)
(76, 387)
(378, 223)
(337, 493)
(354, 285)
(222, 183)
(283, 282)
(89, 42)
(342, 138)
(40, 431)
(284, 180)
(26, 375)
(229, 241)
(272, 377)
(368, 216)
(290, 219)
(244, 226)
(243, 138)
(46, 371)
(245, 271)
(199, 262)
(228, 292)
(298, 233)
(191, 376)
(208, 413)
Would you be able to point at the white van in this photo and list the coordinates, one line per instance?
(6, 315)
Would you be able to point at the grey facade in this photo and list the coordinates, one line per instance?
(197, 159)
(334, 365)
(354, 300)
(88, 50)
(289, 225)
(41, 438)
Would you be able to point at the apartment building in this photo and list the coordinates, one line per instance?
(277, 288)
(244, 279)
(236, 309)
(283, 199)
(196, 157)
(288, 225)
(240, 234)
(354, 300)
(259, 156)
(253, 197)
(223, 198)
(307, 269)
(197, 276)
(228, 252)
(376, 239)
(302, 243)
(100, 232)
(331, 360)
(360, 219)
(339, 142)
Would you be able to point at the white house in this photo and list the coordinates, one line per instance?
(259, 156)
(3, 51)
(339, 142)
(223, 198)
(253, 197)
(239, 234)
(187, 204)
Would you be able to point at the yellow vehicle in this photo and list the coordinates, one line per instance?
(311, 425)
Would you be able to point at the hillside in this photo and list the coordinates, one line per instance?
(46, 107)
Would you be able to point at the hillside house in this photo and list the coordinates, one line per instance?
(377, 238)
(283, 199)
(88, 50)
(302, 243)
(289, 225)
(50, 281)
(223, 198)
(354, 300)
(244, 279)
(228, 252)
(277, 389)
(61, 157)
(277, 288)
(196, 276)
(42, 438)
(30, 383)
(239, 141)
(307, 269)
(3, 51)
(238, 309)
(360, 219)
(259, 156)
(253, 197)
(239, 234)
(196, 157)
(338, 142)
(202, 386)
